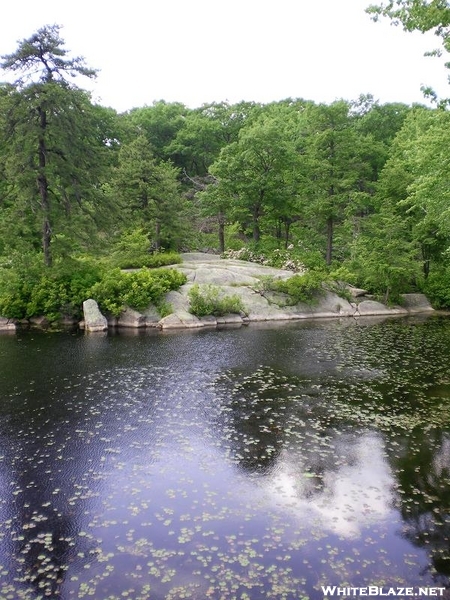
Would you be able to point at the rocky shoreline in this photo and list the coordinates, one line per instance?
(236, 277)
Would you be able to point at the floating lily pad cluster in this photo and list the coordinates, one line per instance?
(149, 476)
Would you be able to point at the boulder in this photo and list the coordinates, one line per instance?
(208, 321)
(188, 319)
(179, 300)
(152, 316)
(355, 292)
(131, 318)
(40, 321)
(231, 319)
(330, 304)
(67, 321)
(416, 303)
(94, 320)
(247, 280)
(171, 322)
(7, 324)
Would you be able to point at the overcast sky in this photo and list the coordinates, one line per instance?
(199, 51)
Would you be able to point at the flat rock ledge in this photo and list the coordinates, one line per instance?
(236, 277)
(241, 278)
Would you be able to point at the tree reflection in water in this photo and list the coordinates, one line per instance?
(422, 468)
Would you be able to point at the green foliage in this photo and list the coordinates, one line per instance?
(137, 290)
(343, 274)
(302, 288)
(52, 154)
(132, 252)
(34, 290)
(164, 308)
(150, 192)
(207, 300)
(133, 241)
(258, 172)
(309, 185)
(148, 260)
(160, 123)
(437, 289)
(280, 259)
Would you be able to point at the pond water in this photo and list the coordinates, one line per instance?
(261, 462)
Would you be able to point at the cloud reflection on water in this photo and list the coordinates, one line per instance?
(344, 500)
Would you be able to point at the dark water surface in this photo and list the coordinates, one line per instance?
(262, 462)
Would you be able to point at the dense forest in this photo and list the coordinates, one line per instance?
(354, 190)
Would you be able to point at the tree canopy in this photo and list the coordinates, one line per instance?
(353, 185)
(47, 129)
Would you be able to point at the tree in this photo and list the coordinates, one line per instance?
(47, 128)
(414, 183)
(384, 254)
(340, 165)
(256, 173)
(160, 123)
(149, 189)
(417, 15)
(197, 146)
(205, 132)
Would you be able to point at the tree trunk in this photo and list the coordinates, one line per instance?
(426, 261)
(46, 239)
(278, 229)
(287, 228)
(43, 190)
(256, 229)
(157, 235)
(329, 254)
(256, 215)
(221, 220)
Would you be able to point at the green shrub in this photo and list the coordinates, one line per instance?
(343, 274)
(61, 290)
(207, 300)
(41, 291)
(164, 308)
(302, 288)
(151, 261)
(137, 290)
(109, 292)
(132, 251)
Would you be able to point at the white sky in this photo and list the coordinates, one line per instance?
(199, 51)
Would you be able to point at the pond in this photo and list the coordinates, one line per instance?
(261, 462)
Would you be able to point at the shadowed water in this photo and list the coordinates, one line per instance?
(263, 462)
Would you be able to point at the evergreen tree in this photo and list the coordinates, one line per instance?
(150, 191)
(48, 147)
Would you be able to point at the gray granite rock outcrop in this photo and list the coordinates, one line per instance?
(247, 281)
(236, 277)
